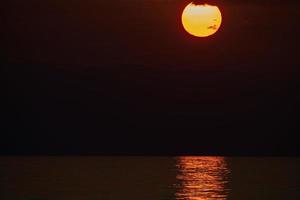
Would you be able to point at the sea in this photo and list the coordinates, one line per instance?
(149, 178)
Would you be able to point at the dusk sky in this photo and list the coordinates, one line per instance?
(148, 33)
(123, 76)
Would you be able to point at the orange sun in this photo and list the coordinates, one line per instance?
(201, 20)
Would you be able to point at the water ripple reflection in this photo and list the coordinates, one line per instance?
(201, 178)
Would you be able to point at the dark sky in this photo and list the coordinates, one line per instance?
(86, 76)
(146, 32)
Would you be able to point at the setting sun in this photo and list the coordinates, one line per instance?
(201, 20)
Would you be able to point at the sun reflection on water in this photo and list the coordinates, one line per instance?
(201, 178)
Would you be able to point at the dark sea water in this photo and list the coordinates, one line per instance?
(153, 178)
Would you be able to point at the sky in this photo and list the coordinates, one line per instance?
(84, 76)
(146, 32)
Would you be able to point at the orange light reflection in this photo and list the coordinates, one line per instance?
(202, 178)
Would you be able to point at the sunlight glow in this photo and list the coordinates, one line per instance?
(201, 20)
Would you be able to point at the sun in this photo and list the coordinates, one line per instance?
(201, 20)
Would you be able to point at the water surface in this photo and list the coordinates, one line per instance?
(153, 178)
